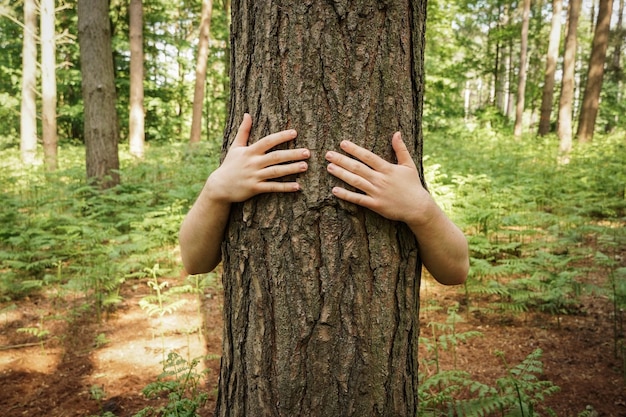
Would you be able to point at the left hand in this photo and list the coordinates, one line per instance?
(394, 191)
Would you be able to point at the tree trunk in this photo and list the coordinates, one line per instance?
(201, 64)
(591, 98)
(136, 128)
(48, 85)
(510, 100)
(100, 117)
(551, 60)
(321, 297)
(521, 87)
(616, 71)
(227, 10)
(567, 87)
(28, 112)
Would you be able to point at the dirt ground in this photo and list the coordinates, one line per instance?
(121, 354)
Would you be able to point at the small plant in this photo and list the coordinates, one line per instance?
(181, 382)
(99, 394)
(101, 340)
(39, 333)
(445, 336)
(519, 393)
(161, 302)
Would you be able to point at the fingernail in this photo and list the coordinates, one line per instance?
(306, 153)
(329, 155)
(303, 166)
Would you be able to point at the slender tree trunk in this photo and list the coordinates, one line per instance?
(521, 88)
(136, 128)
(201, 65)
(552, 56)
(48, 85)
(227, 59)
(510, 101)
(321, 297)
(28, 112)
(591, 98)
(567, 88)
(619, 43)
(499, 71)
(616, 71)
(100, 118)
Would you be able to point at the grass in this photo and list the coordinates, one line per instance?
(537, 231)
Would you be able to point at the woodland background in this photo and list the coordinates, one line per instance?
(515, 151)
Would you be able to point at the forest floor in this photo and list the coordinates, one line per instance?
(82, 358)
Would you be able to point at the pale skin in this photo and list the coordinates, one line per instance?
(394, 191)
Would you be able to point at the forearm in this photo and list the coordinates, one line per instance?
(202, 233)
(443, 248)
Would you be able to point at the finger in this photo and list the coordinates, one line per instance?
(402, 153)
(270, 141)
(277, 187)
(350, 178)
(282, 156)
(369, 158)
(244, 131)
(277, 171)
(352, 197)
(349, 164)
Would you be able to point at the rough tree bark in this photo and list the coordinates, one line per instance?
(591, 98)
(567, 85)
(321, 297)
(136, 128)
(551, 60)
(28, 111)
(96, 64)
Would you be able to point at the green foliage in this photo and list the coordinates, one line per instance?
(161, 302)
(181, 382)
(528, 219)
(56, 231)
(452, 392)
(170, 43)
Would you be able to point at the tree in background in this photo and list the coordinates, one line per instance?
(551, 61)
(321, 297)
(28, 112)
(595, 74)
(98, 86)
(201, 68)
(614, 97)
(48, 84)
(567, 85)
(136, 125)
(523, 62)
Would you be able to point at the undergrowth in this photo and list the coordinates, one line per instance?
(57, 231)
(541, 235)
(535, 227)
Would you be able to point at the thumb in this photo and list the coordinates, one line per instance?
(243, 133)
(402, 153)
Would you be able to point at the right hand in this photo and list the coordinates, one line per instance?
(247, 169)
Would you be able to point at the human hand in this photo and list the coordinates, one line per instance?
(247, 169)
(394, 191)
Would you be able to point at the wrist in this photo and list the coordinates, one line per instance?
(425, 215)
(216, 191)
